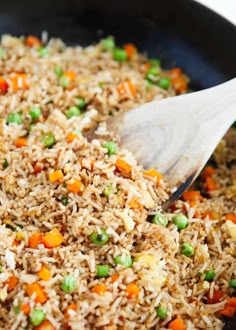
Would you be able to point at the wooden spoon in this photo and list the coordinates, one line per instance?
(177, 135)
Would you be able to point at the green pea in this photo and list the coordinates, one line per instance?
(101, 84)
(17, 310)
(0, 268)
(3, 53)
(64, 81)
(154, 62)
(68, 283)
(36, 317)
(64, 201)
(161, 312)
(108, 43)
(119, 55)
(48, 140)
(164, 83)
(209, 275)
(103, 270)
(152, 74)
(5, 164)
(80, 102)
(107, 190)
(35, 112)
(72, 112)
(99, 238)
(42, 51)
(14, 117)
(150, 83)
(111, 147)
(232, 283)
(181, 221)
(124, 260)
(159, 219)
(187, 250)
(31, 126)
(58, 71)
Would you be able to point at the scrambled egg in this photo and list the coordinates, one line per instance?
(152, 273)
(231, 228)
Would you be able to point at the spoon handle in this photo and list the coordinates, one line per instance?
(217, 105)
(179, 134)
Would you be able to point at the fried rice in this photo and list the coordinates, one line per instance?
(84, 242)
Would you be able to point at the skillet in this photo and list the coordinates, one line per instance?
(181, 33)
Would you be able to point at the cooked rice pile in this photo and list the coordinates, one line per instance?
(78, 249)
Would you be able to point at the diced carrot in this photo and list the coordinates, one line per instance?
(12, 282)
(71, 75)
(44, 273)
(135, 204)
(37, 169)
(72, 308)
(52, 239)
(25, 308)
(99, 289)
(56, 176)
(21, 142)
(67, 327)
(45, 325)
(34, 240)
(144, 67)
(132, 291)
(75, 186)
(228, 311)
(3, 85)
(37, 290)
(123, 166)
(217, 295)
(19, 81)
(175, 72)
(196, 214)
(177, 324)
(210, 184)
(70, 87)
(153, 173)
(232, 302)
(121, 89)
(15, 243)
(192, 203)
(114, 277)
(207, 172)
(130, 50)
(32, 41)
(212, 215)
(126, 87)
(131, 88)
(179, 84)
(231, 217)
(192, 195)
(71, 137)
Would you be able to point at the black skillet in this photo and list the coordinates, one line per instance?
(179, 32)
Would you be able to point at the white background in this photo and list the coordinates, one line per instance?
(226, 8)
